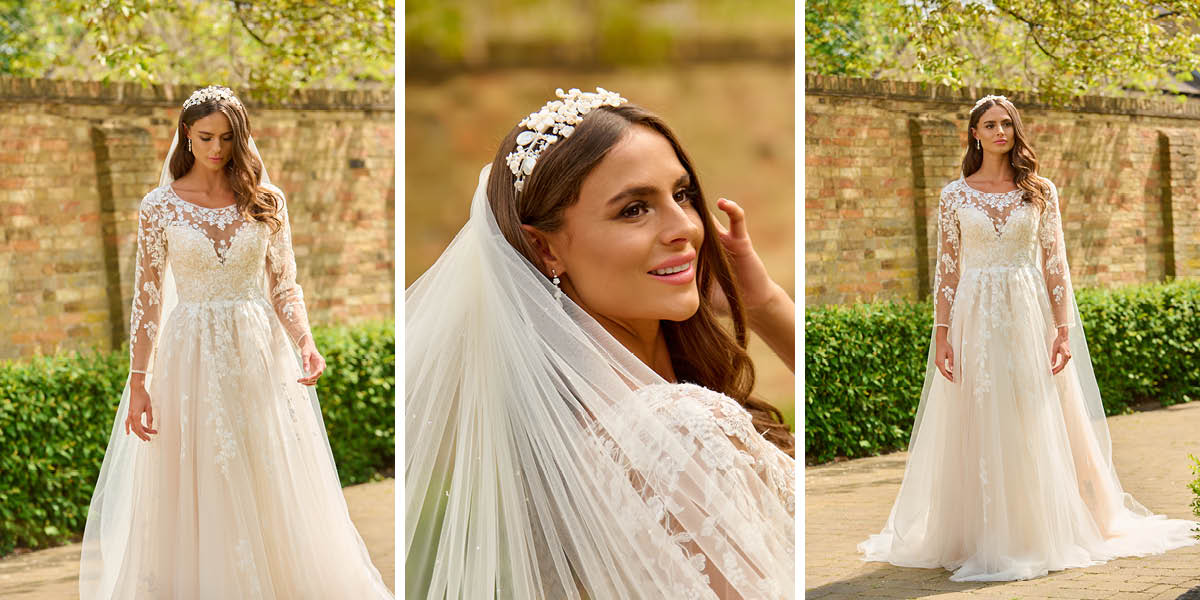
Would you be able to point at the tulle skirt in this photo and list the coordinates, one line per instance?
(1008, 477)
(237, 495)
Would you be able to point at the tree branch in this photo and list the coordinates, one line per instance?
(237, 10)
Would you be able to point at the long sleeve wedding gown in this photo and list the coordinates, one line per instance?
(1010, 470)
(237, 496)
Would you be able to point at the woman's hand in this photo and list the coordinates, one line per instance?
(314, 363)
(770, 312)
(139, 403)
(758, 290)
(1060, 348)
(943, 354)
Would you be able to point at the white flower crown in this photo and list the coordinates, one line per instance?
(985, 99)
(212, 92)
(558, 116)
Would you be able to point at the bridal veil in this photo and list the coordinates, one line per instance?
(533, 469)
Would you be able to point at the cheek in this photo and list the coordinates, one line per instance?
(606, 269)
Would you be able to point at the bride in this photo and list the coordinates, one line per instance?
(1010, 471)
(578, 423)
(226, 487)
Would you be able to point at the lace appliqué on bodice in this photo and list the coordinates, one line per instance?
(756, 474)
(215, 255)
(990, 233)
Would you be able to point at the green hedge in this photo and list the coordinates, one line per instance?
(56, 414)
(865, 364)
(1194, 485)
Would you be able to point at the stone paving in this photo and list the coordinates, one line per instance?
(53, 574)
(845, 502)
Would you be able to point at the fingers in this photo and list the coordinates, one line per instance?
(318, 367)
(135, 424)
(1057, 366)
(737, 217)
(945, 364)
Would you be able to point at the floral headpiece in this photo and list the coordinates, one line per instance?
(559, 117)
(985, 99)
(212, 92)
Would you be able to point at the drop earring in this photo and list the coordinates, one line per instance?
(978, 144)
(189, 144)
(555, 280)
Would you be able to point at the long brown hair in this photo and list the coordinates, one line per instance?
(1022, 157)
(243, 169)
(702, 351)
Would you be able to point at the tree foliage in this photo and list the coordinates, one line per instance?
(271, 45)
(1056, 49)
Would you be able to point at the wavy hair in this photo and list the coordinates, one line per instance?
(702, 350)
(244, 169)
(1022, 157)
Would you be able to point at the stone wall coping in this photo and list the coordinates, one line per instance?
(834, 85)
(20, 89)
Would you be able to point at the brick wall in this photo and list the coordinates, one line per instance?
(877, 154)
(76, 159)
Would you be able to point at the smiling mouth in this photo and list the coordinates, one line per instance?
(672, 270)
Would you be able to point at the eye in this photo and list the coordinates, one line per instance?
(634, 210)
(205, 139)
(683, 195)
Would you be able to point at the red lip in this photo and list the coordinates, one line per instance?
(675, 261)
(1002, 142)
(216, 159)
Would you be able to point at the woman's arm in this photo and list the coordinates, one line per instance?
(150, 263)
(945, 281)
(1058, 278)
(770, 311)
(288, 298)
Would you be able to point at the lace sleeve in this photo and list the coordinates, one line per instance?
(776, 469)
(946, 271)
(150, 263)
(724, 436)
(286, 295)
(1054, 260)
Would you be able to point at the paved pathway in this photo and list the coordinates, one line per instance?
(53, 574)
(846, 502)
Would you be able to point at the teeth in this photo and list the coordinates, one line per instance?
(670, 270)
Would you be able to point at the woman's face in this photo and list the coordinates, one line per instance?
(995, 130)
(212, 140)
(628, 248)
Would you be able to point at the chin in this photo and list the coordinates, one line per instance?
(683, 311)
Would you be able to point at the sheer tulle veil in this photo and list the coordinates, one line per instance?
(532, 470)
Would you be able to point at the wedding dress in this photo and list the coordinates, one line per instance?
(1010, 471)
(237, 496)
(544, 460)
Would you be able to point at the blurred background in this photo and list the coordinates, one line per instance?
(720, 73)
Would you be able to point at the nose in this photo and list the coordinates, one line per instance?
(679, 225)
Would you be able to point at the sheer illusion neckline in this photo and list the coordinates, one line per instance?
(219, 209)
(963, 181)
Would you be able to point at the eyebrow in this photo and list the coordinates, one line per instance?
(641, 190)
(201, 132)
